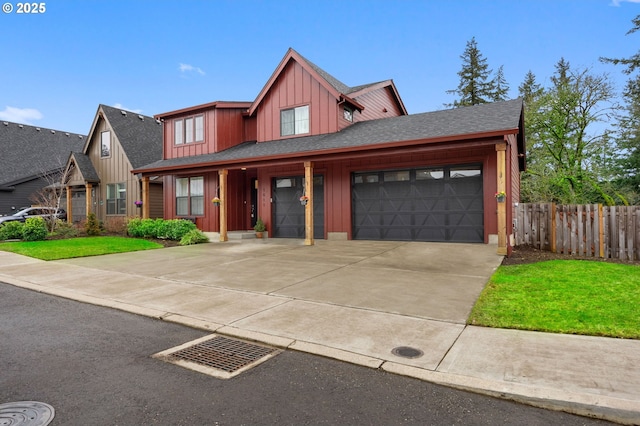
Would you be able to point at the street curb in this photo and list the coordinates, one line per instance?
(616, 410)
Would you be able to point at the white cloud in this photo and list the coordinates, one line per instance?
(119, 106)
(186, 68)
(617, 2)
(20, 115)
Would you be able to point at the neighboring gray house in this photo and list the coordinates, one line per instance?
(100, 171)
(30, 157)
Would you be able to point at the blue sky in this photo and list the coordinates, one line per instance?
(157, 56)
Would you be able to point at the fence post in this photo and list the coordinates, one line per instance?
(553, 229)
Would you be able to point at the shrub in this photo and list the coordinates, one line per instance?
(133, 227)
(173, 229)
(162, 229)
(11, 231)
(35, 229)
(179, 228)
(65, 229)
(195, 236)
(116, 225)
(92, 226)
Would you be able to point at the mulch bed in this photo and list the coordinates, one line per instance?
(528, 254)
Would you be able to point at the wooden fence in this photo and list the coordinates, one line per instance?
(591, 230)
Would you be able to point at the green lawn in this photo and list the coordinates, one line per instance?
(77, 247)
(563, 296)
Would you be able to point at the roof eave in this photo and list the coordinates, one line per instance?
(251, 162)
(210, 105)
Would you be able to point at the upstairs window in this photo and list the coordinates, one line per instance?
(105, 144)
(294, 121)
(188, 130)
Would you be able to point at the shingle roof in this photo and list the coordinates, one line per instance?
(84, 164)
(334, 82)
(337, 84)
(139, 135)
(460, 122)
(29, 151)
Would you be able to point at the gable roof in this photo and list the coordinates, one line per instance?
(337, 88)
(139, 135)
(85, 167)
(453, 125)
(28, 151)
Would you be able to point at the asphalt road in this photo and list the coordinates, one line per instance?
(94, 366)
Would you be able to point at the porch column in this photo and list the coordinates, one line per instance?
(501, 149)
(87, 189)
(69, 205)
(222, 181)
(145, 197)
(308, 208)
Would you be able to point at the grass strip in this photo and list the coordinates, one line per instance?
(563, 296)
(77, 247)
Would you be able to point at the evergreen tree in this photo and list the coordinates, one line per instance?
(529, 89)
(474, 87)
(633, 62)
(500, 87)
(628, 126)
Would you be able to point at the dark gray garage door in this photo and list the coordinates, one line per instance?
(288, 213)
(426, 204)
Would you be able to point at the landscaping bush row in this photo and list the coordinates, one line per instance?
(171, 229)
(35, 229)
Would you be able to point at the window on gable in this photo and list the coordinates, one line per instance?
(294, 121)
(188, 130)
(347, 113)
(190, 196)
(116, 198)
(105, 144)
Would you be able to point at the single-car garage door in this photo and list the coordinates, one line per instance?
(288, 213)
(423, 204)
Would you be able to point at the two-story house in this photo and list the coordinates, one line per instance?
(99, 174)
(315, 158)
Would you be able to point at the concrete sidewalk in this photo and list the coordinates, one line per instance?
(356, 301)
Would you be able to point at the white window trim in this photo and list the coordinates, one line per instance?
(301, 126)
(186, 130)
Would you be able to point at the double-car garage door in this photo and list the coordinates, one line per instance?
(425, 204)
(421, 204)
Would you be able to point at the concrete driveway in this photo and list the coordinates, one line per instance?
(426, 280)
(357, 301)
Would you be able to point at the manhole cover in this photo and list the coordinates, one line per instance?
(26, 413)
(407, 352)
(219, 356)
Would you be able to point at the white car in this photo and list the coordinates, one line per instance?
(44, 212)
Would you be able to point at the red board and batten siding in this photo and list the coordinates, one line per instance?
(337, 182)
(223, 129)
(379, 103)
(296, 87)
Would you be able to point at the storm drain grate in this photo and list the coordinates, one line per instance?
(219, 355)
